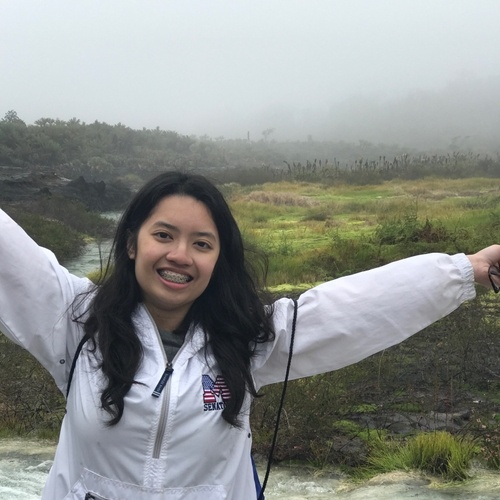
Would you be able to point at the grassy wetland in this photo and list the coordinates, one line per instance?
(313, 232)
(366, 417)
(444, 380)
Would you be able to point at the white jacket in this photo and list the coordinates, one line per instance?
(178, 446)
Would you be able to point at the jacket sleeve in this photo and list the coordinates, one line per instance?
(348, 319)
(36, 300)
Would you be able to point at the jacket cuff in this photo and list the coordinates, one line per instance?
(467, 272)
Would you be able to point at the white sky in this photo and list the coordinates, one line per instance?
(225, 67)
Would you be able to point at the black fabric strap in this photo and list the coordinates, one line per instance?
(282, 401)
(73, 363)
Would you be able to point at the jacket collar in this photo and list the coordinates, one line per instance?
(148, 333)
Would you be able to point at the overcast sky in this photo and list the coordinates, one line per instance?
(228, 67)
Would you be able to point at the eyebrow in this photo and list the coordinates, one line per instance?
(201, 234)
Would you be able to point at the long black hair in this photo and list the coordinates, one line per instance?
(230, 311)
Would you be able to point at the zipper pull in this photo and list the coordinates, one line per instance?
(163, 381)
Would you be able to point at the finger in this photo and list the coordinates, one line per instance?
(494, 271)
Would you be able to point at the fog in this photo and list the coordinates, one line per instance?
(422, 73)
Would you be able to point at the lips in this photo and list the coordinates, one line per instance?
(174, 277)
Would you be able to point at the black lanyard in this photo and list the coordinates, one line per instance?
(282, 401)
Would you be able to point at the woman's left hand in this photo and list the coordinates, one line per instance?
(484, 260)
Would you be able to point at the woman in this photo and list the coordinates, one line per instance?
(179, 341)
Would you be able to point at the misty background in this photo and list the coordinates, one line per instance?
(420, 73)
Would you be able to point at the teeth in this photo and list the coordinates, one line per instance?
(174, 277)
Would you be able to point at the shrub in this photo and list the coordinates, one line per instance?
(74, 214)
(61, 224)
(65, 242)
(489, 430)
(30, 400)
(435, 452)
(441, 453)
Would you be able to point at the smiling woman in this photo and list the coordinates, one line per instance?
(178, 340)
(175, 253)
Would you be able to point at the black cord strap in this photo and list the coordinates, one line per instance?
(282, 401)
(73, 364)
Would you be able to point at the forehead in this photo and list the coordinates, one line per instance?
(181, 209)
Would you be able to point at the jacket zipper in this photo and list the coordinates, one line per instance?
(163, 381)
(160, 432)
(158, 391)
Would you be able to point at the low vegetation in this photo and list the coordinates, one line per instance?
(61, 225)
(438, 453)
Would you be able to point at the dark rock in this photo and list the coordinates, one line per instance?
(18, 185)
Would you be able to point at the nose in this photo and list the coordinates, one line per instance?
(180, 254)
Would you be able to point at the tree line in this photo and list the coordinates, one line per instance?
(99, 151)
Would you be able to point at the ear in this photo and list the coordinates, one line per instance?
(131, 247)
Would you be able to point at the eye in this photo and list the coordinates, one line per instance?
(162, 235)
(203, 245)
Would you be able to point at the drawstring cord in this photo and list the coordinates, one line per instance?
(282, 401)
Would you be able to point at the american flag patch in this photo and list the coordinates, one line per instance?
(214, 392)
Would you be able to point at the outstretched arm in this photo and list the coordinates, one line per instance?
(345, 320)
(36, 296)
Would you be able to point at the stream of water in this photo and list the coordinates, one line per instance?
(93, 255)
(24, 466)
(90, 259)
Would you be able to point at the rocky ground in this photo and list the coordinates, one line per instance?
(21, 184)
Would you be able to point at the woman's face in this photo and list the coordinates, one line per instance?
(175, 254)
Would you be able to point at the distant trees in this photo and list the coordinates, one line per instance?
(95, 150)
(267, 132)
(99, 151)
(11, 117)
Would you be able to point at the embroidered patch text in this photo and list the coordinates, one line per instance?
(214, 393)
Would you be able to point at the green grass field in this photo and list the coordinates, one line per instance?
(314, 232)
